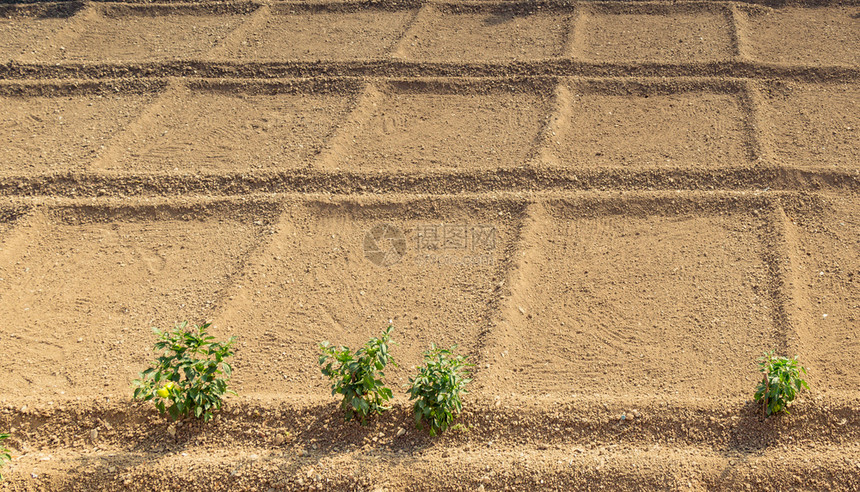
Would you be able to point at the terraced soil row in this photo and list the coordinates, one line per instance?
(314, 134)
(534, 443)
(77, 32)
(587, 275)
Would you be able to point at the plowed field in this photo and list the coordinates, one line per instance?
(612, 207)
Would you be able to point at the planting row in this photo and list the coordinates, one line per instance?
(413, 126)
(190, 378)
(191, 374)
(650, 33)
(563, 296)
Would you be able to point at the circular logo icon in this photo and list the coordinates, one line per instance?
(384, 245)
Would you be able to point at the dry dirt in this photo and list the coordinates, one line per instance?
(612, 207)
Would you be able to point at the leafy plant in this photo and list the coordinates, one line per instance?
(358, 376)
(437, 388)
(187, 378)
(4, 453)
(781, 381)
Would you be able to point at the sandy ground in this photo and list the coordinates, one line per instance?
(612, 208)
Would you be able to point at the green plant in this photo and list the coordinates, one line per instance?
(187, 378)
(4, 453)
(437, 388)
(781, 381)
(460, 428)
(358, 376)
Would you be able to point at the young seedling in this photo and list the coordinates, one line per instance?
(358, 376)
(781, 381)
(4, 453)
(191, 376)
(460, 428)
(437, 388)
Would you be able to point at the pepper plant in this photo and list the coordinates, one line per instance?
(781, 381)
(437, 388)
(190, 377)
(357, 376)
(4, 453)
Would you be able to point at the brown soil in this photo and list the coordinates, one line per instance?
(269, 129)
(413, 127)
(609, 126)
(797, 35)
(657, 34)
(291, 34)
(53, 134)
(612, 208)
(485, 35)
(610, 299)
(138, 34)
(815, 125)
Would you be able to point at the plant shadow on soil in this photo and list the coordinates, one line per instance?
(319, 429)
(499, 18)
(755, 433)
(316, 429)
